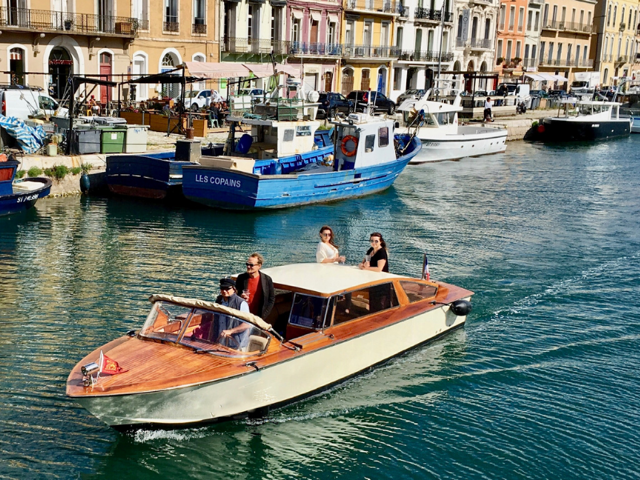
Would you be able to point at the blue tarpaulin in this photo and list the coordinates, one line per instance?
(30, 139)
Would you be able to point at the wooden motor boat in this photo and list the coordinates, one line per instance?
(195, 361)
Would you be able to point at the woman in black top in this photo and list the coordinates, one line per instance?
(377, 258)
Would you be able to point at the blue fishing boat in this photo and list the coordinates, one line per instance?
(369, 159)
(19, 195)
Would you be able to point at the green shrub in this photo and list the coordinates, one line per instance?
(60, 171)
(34, 172)
(48, 172)
(20, 173)
(86, 167)
(534, 124)
(76, 170)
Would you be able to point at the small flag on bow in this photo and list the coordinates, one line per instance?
(110, 366)
(425, 268)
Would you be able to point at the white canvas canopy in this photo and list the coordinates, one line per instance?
(215, 307)
(545, 77)
(238, 70)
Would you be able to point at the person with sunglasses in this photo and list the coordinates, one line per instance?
(225, 326)
(376, 258)
(257, 287)
(327, 251)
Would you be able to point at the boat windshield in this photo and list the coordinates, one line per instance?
(585, 109)
(204, 330)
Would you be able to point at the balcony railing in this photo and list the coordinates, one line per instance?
(563, 62)
(426, 56)
(199, 26)
(250, 45)
(316, 49)
(529, 62)
(568, 26)
(432, 14)
(78, 23)
(622, 59)
(402, 10)
(369, 51)
(170, 24)
(460, 42)
(481, 43)
(381, 6)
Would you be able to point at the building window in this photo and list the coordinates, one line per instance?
(606, 76)
(399, 32)
(509, 46)
(537, 22)
(512, 17)
(487, 29)
(397, 78)
(521, 19)
(140, 10)
(170, 16)
(577, 54)
(609, 16)
(569, 54)
(550, 58)
(559, 56)
(500, 49)
(199, 17)
(518, 45)
(529, 20)
(541, 52)
(331, 36)
(615, 14)
(503, 15)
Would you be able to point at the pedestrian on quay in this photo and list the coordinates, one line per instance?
(488, 105)
(376, 258)
(256, 287)
(327, 251)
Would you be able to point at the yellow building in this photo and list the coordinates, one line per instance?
(615, 44)
(367, 50)
(47, 40)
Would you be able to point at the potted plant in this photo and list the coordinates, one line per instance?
(517, 60)
(68, 23)
(499, 60)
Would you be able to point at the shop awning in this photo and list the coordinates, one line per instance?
(535, 77)
(237, 70)
(546, 77)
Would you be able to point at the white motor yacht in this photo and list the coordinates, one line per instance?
(442, 137)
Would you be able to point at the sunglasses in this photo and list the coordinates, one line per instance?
(374, 241)
(224, 289)
(251, 265)
(325, 234)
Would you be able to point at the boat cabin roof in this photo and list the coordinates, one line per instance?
(324, 279)
(428, 106)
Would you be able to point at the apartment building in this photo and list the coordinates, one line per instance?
(565, 39)
(46, 40)
(511, 38)
(251, 31)
(615, 45)
(474, 50)
(532, 35)
(314, 41)
(422, 41)
(367, 45)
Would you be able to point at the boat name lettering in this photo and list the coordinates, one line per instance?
(431, 144)
(218, 181)
(27, 198)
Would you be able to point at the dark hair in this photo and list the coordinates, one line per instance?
(327, 227)
(379, 235)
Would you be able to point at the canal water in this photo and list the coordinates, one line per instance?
(543, 382)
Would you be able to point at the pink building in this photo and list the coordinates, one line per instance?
(313, 43)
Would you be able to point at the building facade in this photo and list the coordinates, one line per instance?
(615, 42)
(314, 41)
(511, 38)
(532, 35)
(46, 40)
(475, 30)
(422, 41)
(367, 45)
(565, 40)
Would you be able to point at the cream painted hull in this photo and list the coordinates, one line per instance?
(273, 385)
(469, 142)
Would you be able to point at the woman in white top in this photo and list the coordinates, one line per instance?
(327, 251)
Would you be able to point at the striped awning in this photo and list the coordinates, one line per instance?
(15, 54)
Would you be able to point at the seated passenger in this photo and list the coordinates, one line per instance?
(226, 325)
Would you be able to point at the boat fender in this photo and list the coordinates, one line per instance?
(131, 333)
(85, 183)
(460, 308)
(540, 128)
(345, 141)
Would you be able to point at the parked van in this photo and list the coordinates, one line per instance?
(520, 90)
(23, 103)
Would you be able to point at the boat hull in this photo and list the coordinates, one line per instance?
(235, 190)
(475, 142)
(635, 124)
(271, 386)
(567, 130)
(152, 176)
(22, 201)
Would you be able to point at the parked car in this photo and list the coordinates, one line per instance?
(558, 94)
(331, 103)
(256, 94)
(24, 102)
(413, 93)
(539, 93)
(196, 99)
(382, 103)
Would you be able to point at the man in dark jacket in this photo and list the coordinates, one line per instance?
(256, 287)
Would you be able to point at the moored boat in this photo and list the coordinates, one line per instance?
(185, 366)
(436, 125)
(586, 120)
(17, 196)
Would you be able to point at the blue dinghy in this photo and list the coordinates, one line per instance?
(21, 195)
(368, 159)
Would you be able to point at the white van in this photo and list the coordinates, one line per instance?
(22, 103)
(520, 90)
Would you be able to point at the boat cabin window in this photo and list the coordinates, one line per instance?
(585, 109)
(597, 109)
(445, 118)
(418, 291)
(6, 174)
(383, 137)
(224, 334)
(365, 301)
(165, 321)
(288, 135)
(309, 311)
(369, 143)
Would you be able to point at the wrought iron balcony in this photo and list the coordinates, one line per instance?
(199, 26)
(315, 49)
(250, 46)
(27, 19)
(432, 14)
(369, 51)
(481, 43)
(530, 62)
(425, 56)
(379, 6)
(170, 24)
(568, 26)
(403, 11)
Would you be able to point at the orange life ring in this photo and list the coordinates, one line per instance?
(343, 147)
